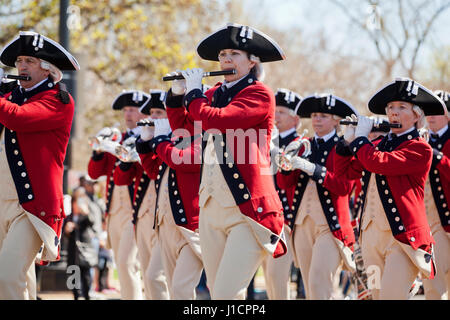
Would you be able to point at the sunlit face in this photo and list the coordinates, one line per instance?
(31, 67)
(132, 115)
(401, 112)
(235, 59)
(156, 113)
(436, 123)
(284, 119)
(323, 123)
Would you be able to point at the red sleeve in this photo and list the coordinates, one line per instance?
(125, 173)
(337, 184)
(410, 158)
(150, 163)
(347, 166)
(44, 114)
(101, 165)
(247, 109)
(180, 118)
(287, 179)
(187, 160)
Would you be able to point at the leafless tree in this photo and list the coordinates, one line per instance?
(398, 29)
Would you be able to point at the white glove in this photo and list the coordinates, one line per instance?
(178, 86)
(105, 132)
(193, 79)
(364, 126)
(147, 132)
(1, 74)
(294, 145)
(349, 133)
(303, 164)
(162, 127)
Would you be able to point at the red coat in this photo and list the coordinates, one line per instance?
(338, 189)
(440, 181)
(37, 134)
(184, 176)
(250, 111)
(404, 171)
(286, 196)
(104, 164)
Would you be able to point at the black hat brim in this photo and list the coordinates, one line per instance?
(229, 37)
(444, 96)
(154, 102)
(128, 99)
(280, 99)
(400, 90)
(330, 104)
(27, 44)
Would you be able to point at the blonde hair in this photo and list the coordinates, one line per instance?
(419, 112)
(258, 69)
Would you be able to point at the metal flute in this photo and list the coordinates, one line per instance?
(375, 125)
(206, 74)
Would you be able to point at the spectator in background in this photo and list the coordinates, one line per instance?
(97, 209)
(78, 227)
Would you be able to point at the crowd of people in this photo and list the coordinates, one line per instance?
(209, 184)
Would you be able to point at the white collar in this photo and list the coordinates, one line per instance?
(441, 131)
(327, 136)
(284, 134)
(232, 83)
(33, 87)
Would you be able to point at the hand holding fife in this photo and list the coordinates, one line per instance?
(162, 127)
(147, 131)
(178, 86)
(303, 164)
(349, 133)
(365, 125)
(193, 79)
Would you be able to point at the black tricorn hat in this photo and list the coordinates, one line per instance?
(29, 43)
(325, 103)
(132, 98)
(287, 98)
(157, 99)
(237, 36)
(405, 89)
(444, 96)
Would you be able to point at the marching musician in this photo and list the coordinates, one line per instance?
(177, 212)
(277, 271)
(437, 196)
(322, 234)
(144, 201)
(119, 199)
(241, 218)
(395, 238)
(376, 132)
(35, 121)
